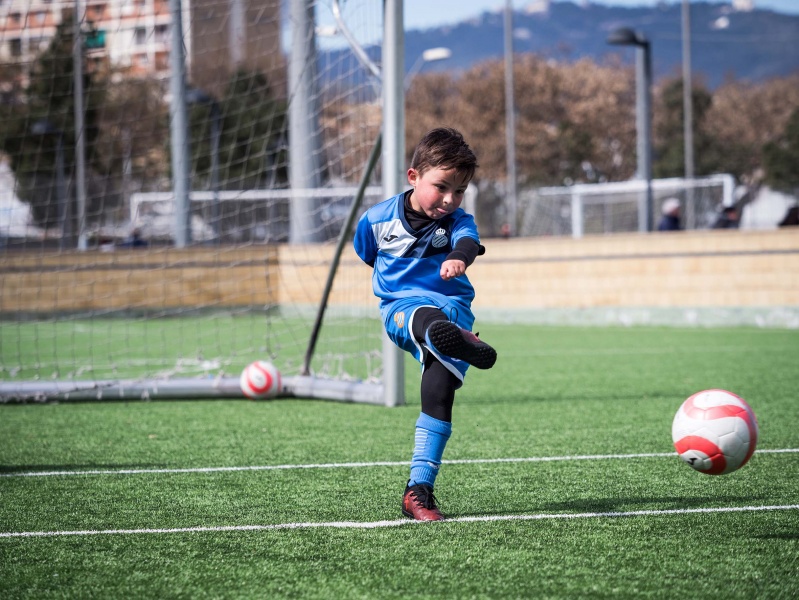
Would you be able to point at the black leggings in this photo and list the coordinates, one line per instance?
(438, 384)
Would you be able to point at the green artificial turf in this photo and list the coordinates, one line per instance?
(580, 517)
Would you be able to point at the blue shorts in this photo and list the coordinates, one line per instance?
(398, 321)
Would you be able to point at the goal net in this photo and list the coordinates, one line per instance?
(599, 208)
(114, 285)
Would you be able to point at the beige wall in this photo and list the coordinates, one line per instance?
(683, 269)
(137, 279)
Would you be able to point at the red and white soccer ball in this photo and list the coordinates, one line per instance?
(260, 379)
(715, 432)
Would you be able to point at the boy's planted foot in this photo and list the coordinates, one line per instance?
(419, 503)
(450, 340)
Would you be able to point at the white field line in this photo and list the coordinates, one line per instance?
(360, 465)
(399, 523)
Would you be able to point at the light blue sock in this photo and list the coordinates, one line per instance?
(431, 439)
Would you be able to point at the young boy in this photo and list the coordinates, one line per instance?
(419, 244)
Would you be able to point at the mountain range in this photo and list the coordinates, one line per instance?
(754, 45)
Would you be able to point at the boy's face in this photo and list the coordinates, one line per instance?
(437, 193)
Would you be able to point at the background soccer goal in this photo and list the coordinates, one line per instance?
(169, 242)
(596, 208)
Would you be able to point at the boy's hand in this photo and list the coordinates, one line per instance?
(452, 268)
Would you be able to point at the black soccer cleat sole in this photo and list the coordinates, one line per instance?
(451, 340)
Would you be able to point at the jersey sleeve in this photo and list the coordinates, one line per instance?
(463, 227)
(466, 250)
(364, 241)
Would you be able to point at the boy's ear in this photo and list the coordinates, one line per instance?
(413, 176)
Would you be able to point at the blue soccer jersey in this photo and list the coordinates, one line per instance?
(408, 263)
(407, 271)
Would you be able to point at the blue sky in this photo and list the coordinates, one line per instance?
(426, 14)
(423, 14)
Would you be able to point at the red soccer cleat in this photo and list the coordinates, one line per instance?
(419, 503)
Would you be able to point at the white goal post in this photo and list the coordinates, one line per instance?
(239, 210)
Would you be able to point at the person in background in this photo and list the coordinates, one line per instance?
(791, 218)
(730, 218)
(135, 240)
(670, 221)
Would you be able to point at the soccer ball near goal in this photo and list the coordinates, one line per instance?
(715, 432)
(260, 379)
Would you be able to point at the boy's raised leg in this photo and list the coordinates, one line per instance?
(450, 340)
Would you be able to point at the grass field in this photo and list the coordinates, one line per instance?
(560, 481)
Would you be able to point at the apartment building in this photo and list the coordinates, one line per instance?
(130, 35)
(133, 36)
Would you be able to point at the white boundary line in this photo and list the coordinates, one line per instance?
(358, 465)
(399, 523)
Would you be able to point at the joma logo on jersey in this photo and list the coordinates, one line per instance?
(399, 319)
(439, 238)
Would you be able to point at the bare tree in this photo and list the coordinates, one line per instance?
(575, 121)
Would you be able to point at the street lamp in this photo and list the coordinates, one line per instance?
(643, 121)
(429, 55)
(688, 119)
(195, 96)
(510, 122)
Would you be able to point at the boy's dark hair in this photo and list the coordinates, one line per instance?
(444, 148)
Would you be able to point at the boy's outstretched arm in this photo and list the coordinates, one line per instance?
(462, 255)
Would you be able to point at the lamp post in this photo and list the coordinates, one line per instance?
(305, 138)
(79, 111)
(429, 55)
(46, 128)
(195, 96)
(643, 121)
(688, 119)
(510, 122)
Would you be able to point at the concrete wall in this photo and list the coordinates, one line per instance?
(137, 279)
(705, 271)
(707, 268)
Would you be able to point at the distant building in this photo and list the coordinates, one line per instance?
(130, 35)
(537, 7)
(133, 36)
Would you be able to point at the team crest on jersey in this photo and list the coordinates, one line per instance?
(439, 238)
(399, 319)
